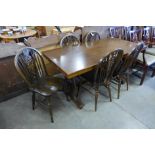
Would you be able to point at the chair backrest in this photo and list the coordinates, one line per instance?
(69, 40)
(134, 54)
(91, 37)
(112, 32)
(107, 66)
(115, 32)
(125, 32)
(146, 34)
(129, 60)
(30, 65)
(152, 35)
(133, 36)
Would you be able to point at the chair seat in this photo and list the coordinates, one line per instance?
(150, 59)
(55, 81)
(150, 51)
(45, 91)
(47, 86)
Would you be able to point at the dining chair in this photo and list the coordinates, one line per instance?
(145, 62)
(125, 32)
(149, 36)
(69, 40)
(151, 48)
(112, 32)
(146, 58)
(78, 33)
(146, 35)
(91, 37)
(103, 73)
(124, 69)
(30, 65)
(116, 32)
(133, 36)
(152, 36)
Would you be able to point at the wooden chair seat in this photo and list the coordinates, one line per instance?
(150, 59)
(47, 86)
(45, 90)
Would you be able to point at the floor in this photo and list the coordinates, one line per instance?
(134, 109)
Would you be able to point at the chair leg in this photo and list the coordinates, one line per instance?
(96, 98)
(50, 109)
(33, 100)
(144, 74)
(78, 89)
(119, 86)
(127, 81)
(66, 88)
(109, 91)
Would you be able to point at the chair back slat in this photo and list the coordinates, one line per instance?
(116, 32)
(146, 34)
(69, 40)
(29, 63)
(133, 35)
(129, 61)
(91, 37)
(106, 67)
(135, 53)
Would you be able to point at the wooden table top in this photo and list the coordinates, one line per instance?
(74, 61)
(19, 35)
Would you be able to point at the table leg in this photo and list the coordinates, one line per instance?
(71, 92)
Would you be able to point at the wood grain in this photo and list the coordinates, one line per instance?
(74, 61)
